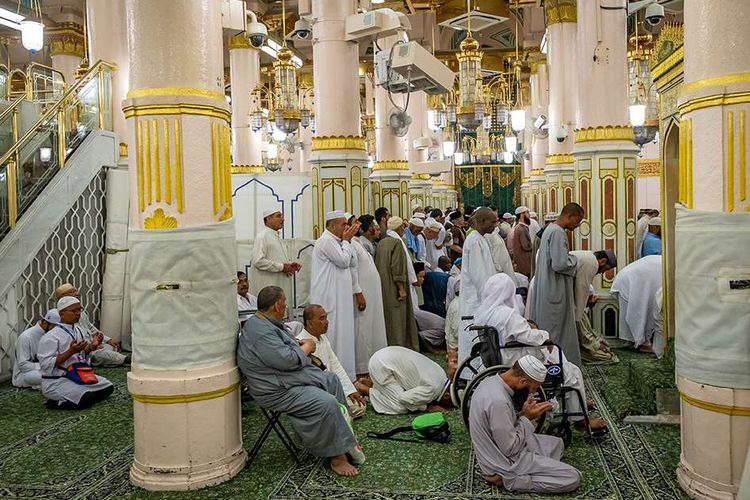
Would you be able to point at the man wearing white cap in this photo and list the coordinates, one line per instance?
(431, 253)
(26, 370)
(520, 243)
(641, 227)
(331, 284)
(652, 240)
(508, 451)
(61, 348)
(506, 225)
(534, 226)
(271, 265)
(414, 229)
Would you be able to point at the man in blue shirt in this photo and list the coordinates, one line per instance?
(652, 240)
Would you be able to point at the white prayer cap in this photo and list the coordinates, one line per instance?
(654, 221)
(420, 215)
(434, 225)
(416, 221)
(521, 210)
(347, 215)
(395, 222)
(66, 302)
(52, 316)
(335, 214)
(550, 217)
(507, 215)
(532, 367)
(532, 215)
(270, 211)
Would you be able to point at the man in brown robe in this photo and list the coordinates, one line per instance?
(520, 246)
(395, 269)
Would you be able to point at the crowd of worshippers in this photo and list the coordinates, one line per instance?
(56, 355)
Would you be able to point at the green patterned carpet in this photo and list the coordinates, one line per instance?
(48, 454)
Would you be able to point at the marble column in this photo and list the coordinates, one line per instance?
(339, 172)
(559, 168)
(244, 71)
(714, 105)
(390, 178)
(66, 49)
(107, 41)
(537, 198)
(605, 154)
(184, 380)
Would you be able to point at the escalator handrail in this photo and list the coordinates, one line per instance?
(52, 110)
(10, 108)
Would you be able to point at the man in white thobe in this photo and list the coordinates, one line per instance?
(370, 321)
(506, 225)
(404, 381)
(316, 325)
(271, 265)
(26, 370)
(331, 284)
(477, 267)
(246, 304)
(428, 240)
(534, 226)
(635, 287)
(508, 451)
(641, 228)
(500, 256)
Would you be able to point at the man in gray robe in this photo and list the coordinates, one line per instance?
(281, 377)
(552, 297)
(508, 452)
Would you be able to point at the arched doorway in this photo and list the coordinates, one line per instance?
(670, 190)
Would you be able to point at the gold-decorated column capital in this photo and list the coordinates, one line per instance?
(338, 142)
(560, 11)
(66, 39)
(239, 42)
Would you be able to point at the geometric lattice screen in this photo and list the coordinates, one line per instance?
(74, 254)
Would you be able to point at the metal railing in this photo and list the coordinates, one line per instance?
(35, 82)
(34, 158)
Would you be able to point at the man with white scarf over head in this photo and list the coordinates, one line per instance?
(635, 287)
(500, 309)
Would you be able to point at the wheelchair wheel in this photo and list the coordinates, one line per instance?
(474, 383)
(459, 383)
(560, 429)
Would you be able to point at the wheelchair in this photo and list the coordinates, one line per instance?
(487, 359)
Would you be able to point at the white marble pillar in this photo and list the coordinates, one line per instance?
(184, 380)
(339, 164)
(714, 106)
(244, 71)
(536, 185)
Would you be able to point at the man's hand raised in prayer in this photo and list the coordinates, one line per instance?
(351, 231)
(361, 303)
(532, 408)
(77, 346)
(307, 345)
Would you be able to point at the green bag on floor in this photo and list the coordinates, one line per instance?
(430, 427)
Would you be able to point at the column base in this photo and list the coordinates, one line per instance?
(699, 487)
(187, 478)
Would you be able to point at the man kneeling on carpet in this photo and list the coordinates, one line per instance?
(281, 377)
(403, 381)
(508, 452)
(67, 380)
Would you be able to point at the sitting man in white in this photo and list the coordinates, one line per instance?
(60, 348)
(26, 371)
(500, 310)
(403, 381)
(508, 452)
(316, 326)
(108, 351)
(246, 304)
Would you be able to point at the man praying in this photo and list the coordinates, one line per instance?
(635, 288)
(26, 371)
(282, 377)
(652, 239)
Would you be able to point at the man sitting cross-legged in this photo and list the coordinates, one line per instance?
(403, 381)
(508, 452)
(316, 326)
(26, 371)
(281, 377)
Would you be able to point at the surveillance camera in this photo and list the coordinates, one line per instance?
(562, 133)
(654, 14)
(302, 29)
(256, 32)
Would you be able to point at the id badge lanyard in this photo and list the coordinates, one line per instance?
(81, 356)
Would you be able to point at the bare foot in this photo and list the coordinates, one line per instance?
(436, 408)
(362, 388)
(496, 480)
(341, 466)
(594, 423)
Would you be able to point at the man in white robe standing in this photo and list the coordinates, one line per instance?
(370, 322)
(635, 287)
(477, 267)
(500, 255)
(552, 296)
(271, 265)
(331, 285)
(26, 371)
(508, 451)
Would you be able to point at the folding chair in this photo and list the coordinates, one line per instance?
(273, 423)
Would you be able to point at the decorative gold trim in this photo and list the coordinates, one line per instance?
(390, 165)
(239, 42)
(248, 169)
(668, 77)
(178, 189)
(177, 109)
(167, 163)
(123, 150)
(560, 159)
(175, 92)
(560, 12)
(159, 221)
(139, 162)
(649, 168)
(157, 163)
(607, 133)
(537, 172)
(184, 398)
(743, 174)
(714, 100)
(717, 81)
(338, 142)
(735, 411)
(66, 38)
(420, 177)
(730, 161)
(671, 34)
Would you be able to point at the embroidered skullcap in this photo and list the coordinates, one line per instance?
(63, 289)
(532, 215)
(433, 224)
(335, 214)
(67, 302)
(551, 217)
(347, 215)
(507, 215)
(521, 210)
(532, 367)
(270, 211)
(395, 222)
(419, 215)
(655, 221)
(416, 221)
(52, 316)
